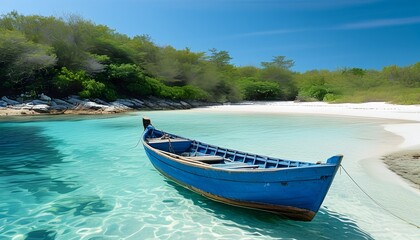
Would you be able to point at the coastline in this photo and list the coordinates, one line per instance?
(76, 106)
(404, 162)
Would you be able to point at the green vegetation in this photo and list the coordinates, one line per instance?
(61, 57)
(392, 84)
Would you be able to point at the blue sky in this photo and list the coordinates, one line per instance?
(316, 34)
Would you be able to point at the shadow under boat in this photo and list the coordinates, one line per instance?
(326, 225)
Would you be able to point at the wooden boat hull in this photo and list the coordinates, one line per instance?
(296, 193)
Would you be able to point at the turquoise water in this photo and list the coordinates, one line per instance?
(83, 177)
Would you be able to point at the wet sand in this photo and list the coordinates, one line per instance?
(405, 163)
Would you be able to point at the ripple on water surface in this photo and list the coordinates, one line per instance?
(83, 178)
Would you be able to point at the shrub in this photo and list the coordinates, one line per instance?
(68, 82)
(317, 92)
(329, 97)
(187, 92)
(253, 89)
(93, 89)
(130, 79)
(194, 93)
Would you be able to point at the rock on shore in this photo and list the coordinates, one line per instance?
(76, 105)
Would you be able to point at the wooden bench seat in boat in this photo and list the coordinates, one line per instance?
(166, 140)
(206, 158)
(235, 165)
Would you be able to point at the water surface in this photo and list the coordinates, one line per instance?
(83, 177)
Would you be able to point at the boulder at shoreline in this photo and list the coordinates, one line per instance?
(75, 105)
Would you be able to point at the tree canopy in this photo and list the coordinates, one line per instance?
(71, 55)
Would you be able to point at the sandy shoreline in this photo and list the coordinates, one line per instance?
(405, 162)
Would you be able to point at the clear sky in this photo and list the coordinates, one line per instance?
(317, 34)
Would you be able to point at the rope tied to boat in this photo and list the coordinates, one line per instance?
(137, 143)
(167, 137)
(373, 200)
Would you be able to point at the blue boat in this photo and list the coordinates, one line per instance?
(293, 189)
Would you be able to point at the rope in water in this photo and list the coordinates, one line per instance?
(376, 202)
(137, 143)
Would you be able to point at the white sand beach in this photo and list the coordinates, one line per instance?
(408, 129)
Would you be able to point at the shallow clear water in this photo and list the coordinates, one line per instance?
(84, 177)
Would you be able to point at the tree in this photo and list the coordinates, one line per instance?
(220, 58)
(21, 60)
(281, 76)
(354, 71)
(143, 51)
(408, 76)
(279, 62)
(247, 71)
